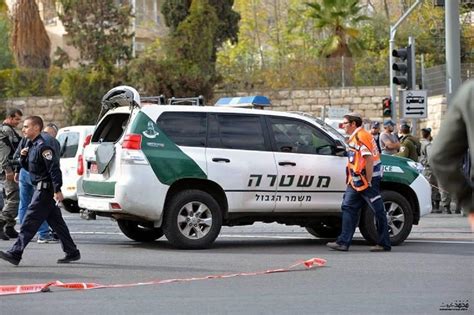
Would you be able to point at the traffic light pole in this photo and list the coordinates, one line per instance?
(393, 32)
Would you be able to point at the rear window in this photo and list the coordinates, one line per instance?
(111, 128)
(69, 142)
(185, 129)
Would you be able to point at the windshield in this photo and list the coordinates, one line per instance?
(331, 130)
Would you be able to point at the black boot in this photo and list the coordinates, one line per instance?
(11, 232)
(3, 236)
(447, 209)
(436, 208)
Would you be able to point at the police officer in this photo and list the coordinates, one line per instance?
(45, 174)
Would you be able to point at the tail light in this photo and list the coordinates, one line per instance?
(132, 142)
(80, 165)
(87, 141)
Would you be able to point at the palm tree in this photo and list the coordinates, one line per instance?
(340, 19)
(30, 42)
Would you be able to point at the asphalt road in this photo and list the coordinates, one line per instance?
(432, 272)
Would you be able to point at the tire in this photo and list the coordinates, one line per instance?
(139, 232)
(399, 217)
(193, 220)
(325, 229)
(71, 205)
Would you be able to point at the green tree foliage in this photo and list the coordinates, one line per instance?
(184, 66)
(176, 11)
(99, 29)
(30, 42)
(6, 57)
(341, 19)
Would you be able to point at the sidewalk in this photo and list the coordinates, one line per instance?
(448, 227)
(442, 226)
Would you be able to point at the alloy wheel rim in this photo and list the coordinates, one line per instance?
(194, 220)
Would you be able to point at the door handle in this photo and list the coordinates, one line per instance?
(287, 163)
(220, 160)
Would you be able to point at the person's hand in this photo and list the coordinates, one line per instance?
(16, 178)
(58, 197)
(24, 151)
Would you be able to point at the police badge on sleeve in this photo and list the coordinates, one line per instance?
(48, 154)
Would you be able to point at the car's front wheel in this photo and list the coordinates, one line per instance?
(193, 220)
(139, 232)
(399, 219)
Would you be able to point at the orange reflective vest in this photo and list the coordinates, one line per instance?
(361, 143)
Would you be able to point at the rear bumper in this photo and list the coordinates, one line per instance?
(137, 192)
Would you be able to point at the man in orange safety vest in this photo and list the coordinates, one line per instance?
(364, 173)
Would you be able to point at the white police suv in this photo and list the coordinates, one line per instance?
(185, 171)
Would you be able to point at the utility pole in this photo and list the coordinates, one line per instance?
(453, 48)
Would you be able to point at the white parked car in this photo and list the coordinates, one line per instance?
(185, 171)
(71, 140)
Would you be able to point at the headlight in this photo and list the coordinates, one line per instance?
(417, 166)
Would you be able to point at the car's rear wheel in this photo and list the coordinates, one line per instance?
(325, 228)
(193, 220)
(71, 205)
(399, 219)
(138, 231)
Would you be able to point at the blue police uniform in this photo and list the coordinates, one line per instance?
(42, 162)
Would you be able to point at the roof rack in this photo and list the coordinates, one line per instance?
(257, 101)
(195, 101)
(159, 100)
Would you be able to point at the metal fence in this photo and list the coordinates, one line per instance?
(434, 78)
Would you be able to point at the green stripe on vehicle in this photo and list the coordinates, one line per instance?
(99, 188)
(396, 169)
(168, 161)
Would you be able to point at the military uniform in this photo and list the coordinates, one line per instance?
(407, 148)
(43, 164)
(9, 141)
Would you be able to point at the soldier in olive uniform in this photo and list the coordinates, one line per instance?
(408, 145)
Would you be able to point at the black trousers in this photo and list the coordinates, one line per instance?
(43, 207)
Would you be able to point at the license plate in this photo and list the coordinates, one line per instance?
(93, 168)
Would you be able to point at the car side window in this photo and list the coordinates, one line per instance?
(292, 135)
(236, 131)
(184, 128)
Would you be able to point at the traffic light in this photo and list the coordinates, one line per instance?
(404, 66)
(387, 107)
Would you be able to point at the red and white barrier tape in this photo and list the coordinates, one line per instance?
(45, 287)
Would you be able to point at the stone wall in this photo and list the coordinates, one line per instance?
(366, 100)
(51, 109)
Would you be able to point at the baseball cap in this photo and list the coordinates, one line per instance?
(375, 124)
(388, 122)
(428, 130)
(354, 114)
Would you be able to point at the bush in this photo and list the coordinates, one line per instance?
(169, 77)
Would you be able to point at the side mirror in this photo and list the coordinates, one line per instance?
(340, 150)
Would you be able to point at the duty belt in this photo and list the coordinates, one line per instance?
(43, 185)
